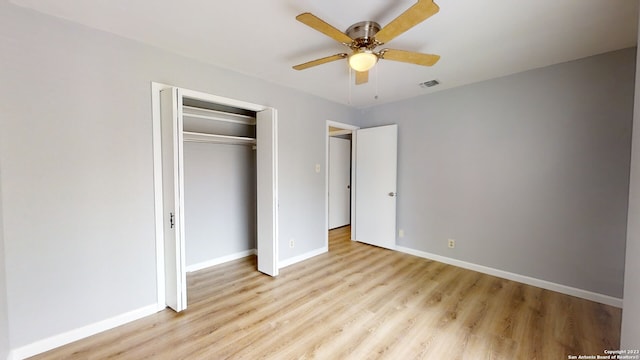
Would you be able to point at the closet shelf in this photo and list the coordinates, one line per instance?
(218, 139)
(200, 113)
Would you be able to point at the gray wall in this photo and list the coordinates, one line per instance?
(631, 312)
(77, 167)
(4, 317)
(529, 173)
(220, 200)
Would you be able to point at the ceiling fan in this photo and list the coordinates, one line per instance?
(365, 36)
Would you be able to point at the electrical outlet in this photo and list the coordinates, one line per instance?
(401, 233)
(452, 243)
(292, 243)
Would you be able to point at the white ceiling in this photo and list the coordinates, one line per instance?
(477, 40)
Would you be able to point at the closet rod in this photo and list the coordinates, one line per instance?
(190, 136)
(244, 119)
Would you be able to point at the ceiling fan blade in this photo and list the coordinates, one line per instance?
(409, 57)
(362, 77)
(318, 24)
(320, 61)
(416, 14)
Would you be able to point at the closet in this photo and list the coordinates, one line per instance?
(219, 185)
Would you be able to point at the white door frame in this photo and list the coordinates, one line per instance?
(352, 129)
(157, 174)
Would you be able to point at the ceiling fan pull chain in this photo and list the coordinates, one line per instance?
(377, 76)
(350, 76)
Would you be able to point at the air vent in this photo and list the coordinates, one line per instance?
(428, 84)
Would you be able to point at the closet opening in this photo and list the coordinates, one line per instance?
(219, 183)
(215, 183)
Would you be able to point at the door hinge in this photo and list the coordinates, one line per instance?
(171, 220)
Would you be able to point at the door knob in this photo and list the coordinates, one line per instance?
(392, 194)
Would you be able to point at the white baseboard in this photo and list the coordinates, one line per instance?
(568, 290)
(220, 260)
(303, 257)
(55, 341)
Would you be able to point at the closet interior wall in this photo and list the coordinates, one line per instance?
(219, 183)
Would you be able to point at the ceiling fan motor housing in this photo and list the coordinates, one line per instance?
(363, 34)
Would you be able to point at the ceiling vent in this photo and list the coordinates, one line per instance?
(428, 84)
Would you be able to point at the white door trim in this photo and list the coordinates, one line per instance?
(352, 128)
(157, 173)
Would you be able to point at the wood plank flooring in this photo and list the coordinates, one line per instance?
(359, 302)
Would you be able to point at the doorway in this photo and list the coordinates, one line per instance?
(373, 182)
(345, 131)
(339, 179)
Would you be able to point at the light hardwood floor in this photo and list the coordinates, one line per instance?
(359, 302)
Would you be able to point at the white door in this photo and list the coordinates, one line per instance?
(375, 179)
(173, 195)
(339, 182)
(267, 190)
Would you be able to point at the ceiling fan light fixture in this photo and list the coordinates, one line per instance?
(362, 60)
